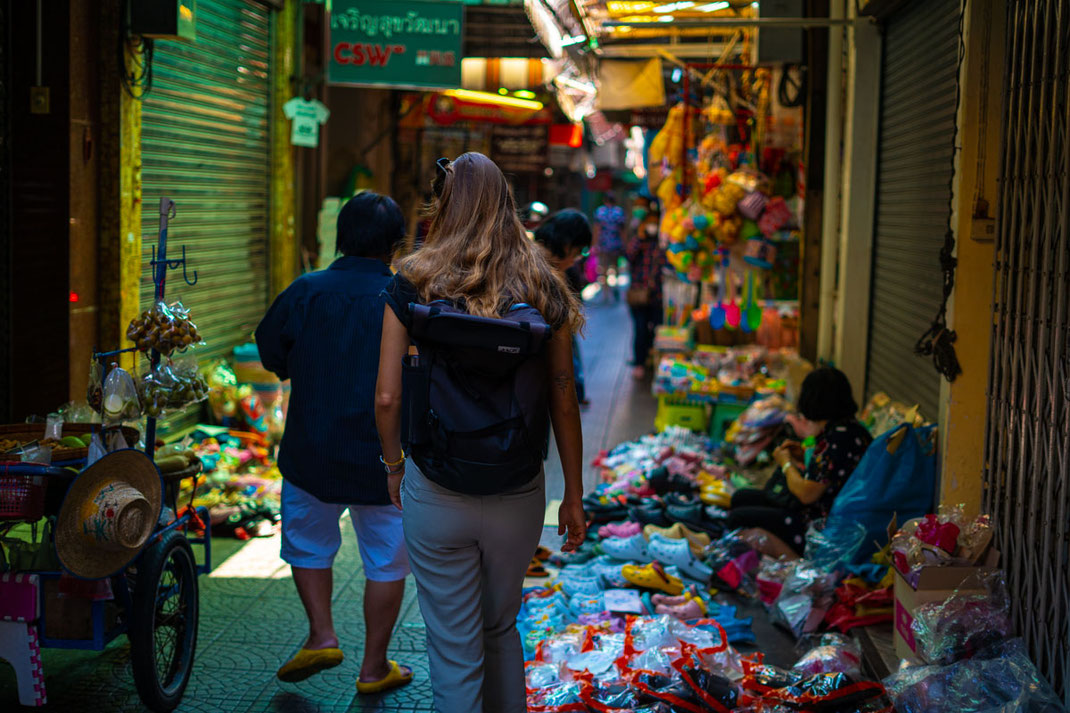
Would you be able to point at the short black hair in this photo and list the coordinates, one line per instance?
(568, 228)
(610, 198)
(826, 396)
(370, 225)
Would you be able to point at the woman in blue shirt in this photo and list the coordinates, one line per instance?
(323, 334)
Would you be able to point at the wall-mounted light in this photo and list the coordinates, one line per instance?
(495, 99)
(673, 7)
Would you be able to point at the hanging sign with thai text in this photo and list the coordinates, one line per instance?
(396, 43)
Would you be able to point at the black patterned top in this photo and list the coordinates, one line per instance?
(837, 450)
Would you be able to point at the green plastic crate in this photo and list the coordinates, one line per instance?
(724, 413)
(676, 411)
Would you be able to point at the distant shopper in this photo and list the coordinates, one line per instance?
(610, 222)
(776, 518)
(487, 381)
(322, 333)
(567, 236)
(647, 260)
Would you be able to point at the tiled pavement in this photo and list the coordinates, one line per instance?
(252, 621)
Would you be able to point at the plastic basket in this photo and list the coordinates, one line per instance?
(681, 412)
(724, 413)
(22, 497)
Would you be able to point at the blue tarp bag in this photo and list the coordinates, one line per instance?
(896, 476)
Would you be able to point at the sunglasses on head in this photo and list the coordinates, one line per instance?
(444, 166)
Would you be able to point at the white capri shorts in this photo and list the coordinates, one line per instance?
(311, 534)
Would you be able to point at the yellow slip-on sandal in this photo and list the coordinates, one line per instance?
(395, 679)
(309, 662)
(652, 576)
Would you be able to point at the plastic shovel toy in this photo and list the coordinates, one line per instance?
(754, 312)
(748, 302)
(731, 311)
(717, 314)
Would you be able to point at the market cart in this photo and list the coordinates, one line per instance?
(152, 599)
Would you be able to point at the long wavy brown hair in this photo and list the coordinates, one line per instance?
(477, 252)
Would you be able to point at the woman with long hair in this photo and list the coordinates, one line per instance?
(469, 544)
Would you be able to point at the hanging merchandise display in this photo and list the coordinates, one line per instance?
(724, 167)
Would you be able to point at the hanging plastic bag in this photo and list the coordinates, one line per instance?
(96, 449)
(120, 396)
(94, 391)
(164, 328)
(896, 477)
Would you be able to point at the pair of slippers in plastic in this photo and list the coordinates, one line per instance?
(661, 549)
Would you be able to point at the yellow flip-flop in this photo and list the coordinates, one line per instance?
(309, 662)
(395, 679)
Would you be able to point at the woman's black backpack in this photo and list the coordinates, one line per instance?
(476, 398)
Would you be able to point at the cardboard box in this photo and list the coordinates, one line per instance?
(935, 584)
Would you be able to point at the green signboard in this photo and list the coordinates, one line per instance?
(396, 43)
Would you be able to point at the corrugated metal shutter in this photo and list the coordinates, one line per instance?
(1027, 448)
(205, 144)
(917, 126)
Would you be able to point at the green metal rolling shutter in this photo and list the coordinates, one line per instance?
(205, 144)
(917, 126)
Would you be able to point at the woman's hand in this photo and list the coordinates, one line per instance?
(788, 453)
(393, 486)
(572, 519)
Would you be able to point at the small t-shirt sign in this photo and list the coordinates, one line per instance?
(306, 117)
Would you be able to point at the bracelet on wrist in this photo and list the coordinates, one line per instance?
(396, 470)
(393, 464)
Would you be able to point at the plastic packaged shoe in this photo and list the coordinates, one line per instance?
(699, 541)
(678, 554)
(627, 549)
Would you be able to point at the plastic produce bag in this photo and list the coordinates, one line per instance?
(964, 624)
(120, 397)
(94, 391)
(834, 542)
(896, 477)
(1003, 680)
(164, 328)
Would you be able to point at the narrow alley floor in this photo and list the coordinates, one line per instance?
(251, 620)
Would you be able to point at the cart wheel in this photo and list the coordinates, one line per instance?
(163, 622)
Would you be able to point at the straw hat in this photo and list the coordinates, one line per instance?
(109, 512)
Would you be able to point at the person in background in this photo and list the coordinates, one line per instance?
(609, 242)
(647, 260)
(469, 553)
(567, 236)
(323, 333)
(776, 518)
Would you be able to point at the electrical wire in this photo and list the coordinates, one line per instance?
(939, 341)
(135, 83)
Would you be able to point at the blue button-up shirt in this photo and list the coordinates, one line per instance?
(323, 334)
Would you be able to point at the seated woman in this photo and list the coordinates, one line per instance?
(775, 519)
